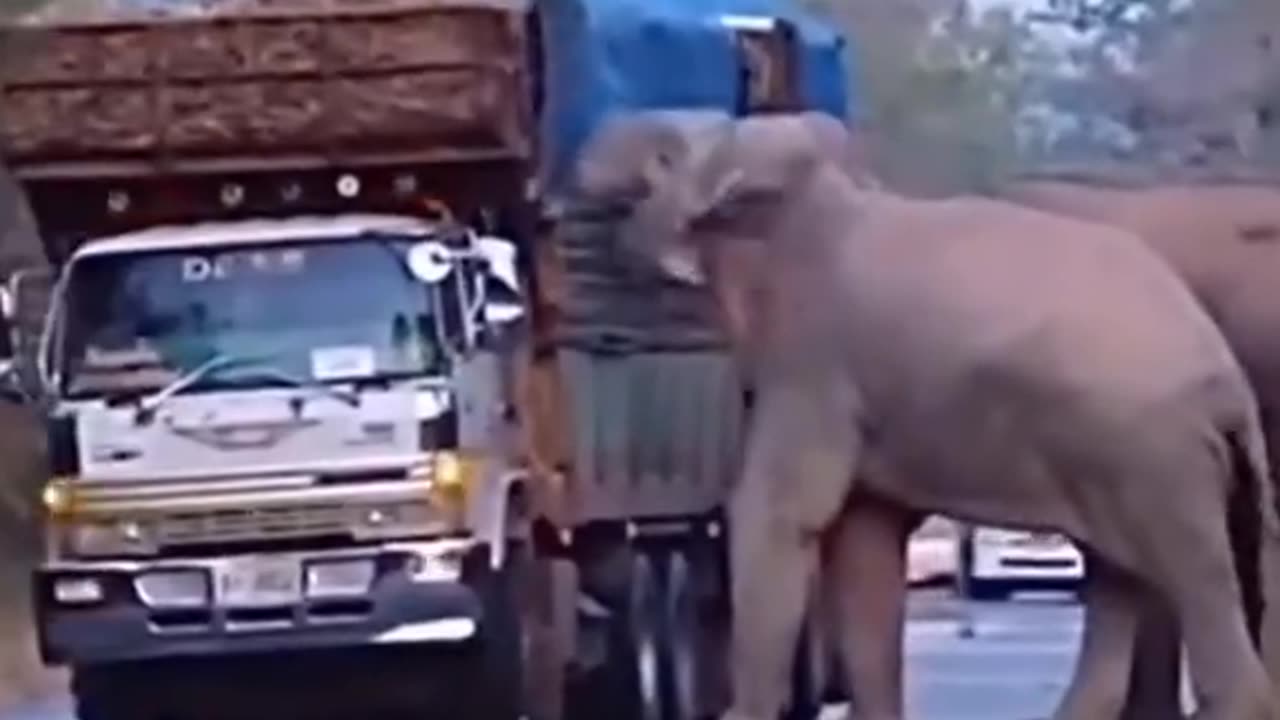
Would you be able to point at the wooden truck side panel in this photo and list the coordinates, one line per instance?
(410, 81)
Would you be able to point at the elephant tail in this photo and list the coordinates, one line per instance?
(1251, 514)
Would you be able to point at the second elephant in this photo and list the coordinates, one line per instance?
(1223, 238)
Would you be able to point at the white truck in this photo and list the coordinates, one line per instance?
(268, 358)
(215, 398)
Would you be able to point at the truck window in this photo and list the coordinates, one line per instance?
(319, 310)
(768, 81)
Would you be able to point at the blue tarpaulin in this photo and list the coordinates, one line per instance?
(605, 56)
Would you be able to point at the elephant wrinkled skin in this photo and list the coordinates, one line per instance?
(952, 357)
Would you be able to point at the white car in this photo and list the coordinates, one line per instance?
(931, 552)
(997, 561)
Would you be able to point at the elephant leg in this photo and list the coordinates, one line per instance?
(1271, 614)
(1101, 680)
(1230, 681)
(797, 475)
(1187, 554)
(1155, 682)
(869, 594)
(1270, 630)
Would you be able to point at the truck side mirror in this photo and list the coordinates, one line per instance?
(502, 301)
(441, 272)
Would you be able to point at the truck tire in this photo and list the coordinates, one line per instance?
(109, 693)
(495, 687)
(682, 632)
(645, 638)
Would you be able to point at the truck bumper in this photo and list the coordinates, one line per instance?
(417, 593)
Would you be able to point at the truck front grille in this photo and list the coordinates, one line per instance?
(365, 521)
(253, 524)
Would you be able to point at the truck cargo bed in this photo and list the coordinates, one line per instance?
(301, 86)
(652, 405)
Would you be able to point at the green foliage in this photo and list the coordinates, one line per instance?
(940, 91)
(951, 99)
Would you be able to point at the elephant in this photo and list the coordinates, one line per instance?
(1223, 238)
(954, 359)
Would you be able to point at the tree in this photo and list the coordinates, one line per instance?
(1194, 82)
(938, 89)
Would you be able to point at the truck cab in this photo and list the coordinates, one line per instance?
(270, 434)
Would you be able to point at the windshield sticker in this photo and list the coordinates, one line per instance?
(199, 269)
(334, 363)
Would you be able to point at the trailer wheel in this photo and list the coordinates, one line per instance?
(682, 631)
(645, 631)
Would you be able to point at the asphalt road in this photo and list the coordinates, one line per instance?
(1012, 667)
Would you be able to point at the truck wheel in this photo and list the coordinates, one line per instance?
(109, 694)
(682, 632)
(645, 630)
(497, 674)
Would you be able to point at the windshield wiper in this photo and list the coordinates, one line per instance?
(148, 405)
(350, 398)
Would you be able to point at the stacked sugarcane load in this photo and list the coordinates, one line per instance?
(102, 79)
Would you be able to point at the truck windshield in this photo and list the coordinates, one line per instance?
(321, 311)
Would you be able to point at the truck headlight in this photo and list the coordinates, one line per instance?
(451, 478)
(58, 497)
(111, 537)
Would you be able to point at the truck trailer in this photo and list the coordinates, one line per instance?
(335, 368)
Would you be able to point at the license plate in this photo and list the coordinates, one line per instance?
(261, 582)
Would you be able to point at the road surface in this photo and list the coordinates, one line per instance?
(1014, 666)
